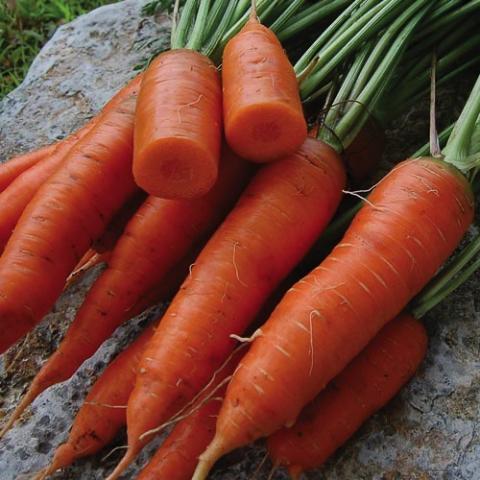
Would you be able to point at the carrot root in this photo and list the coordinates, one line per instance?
(28, 398)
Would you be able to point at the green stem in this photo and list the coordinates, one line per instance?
(442, 137)
(196, 38)
(327, 131)
(215, 39)
(455, 275)
(280, 22)
(346, 18)
(343, 45)
(180, 34)
(308, 17)
(351, 123)
(217, 15)
(445, 21)
(458, 147)
(242, 5)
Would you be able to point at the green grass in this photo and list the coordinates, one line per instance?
(25, 26)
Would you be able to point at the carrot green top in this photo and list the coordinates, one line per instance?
(463, 265)
(207, 25)
(368, 77)
(463, 148)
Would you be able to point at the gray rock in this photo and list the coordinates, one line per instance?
(430, 431)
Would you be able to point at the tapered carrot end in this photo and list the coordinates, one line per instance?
(208, 458)
(123, 465)
(64, 456)
(29, 397)
(42, 474)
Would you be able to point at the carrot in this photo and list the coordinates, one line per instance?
(178, 126)
(366, 385)
(103, 413)
(413, 220)
(252, 251)
(262, 109)
(371, 379)
(14, 167)
(159, 235)
(177, 457)
(20, 192)
(69, 211)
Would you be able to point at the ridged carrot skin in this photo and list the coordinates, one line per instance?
(278, 217)
(366, 385)
(178, 126)
(159, 236)
(177, 457)
(14, 167)
(102, 415)
(263, 115)
(412, 222)
(20, 192)
(68, 213)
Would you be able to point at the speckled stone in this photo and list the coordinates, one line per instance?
(430, 431)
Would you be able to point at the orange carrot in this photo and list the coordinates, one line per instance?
(19, 193)
(178, 126)
(261, 102)
(177, 458)
(411, 223)
(253, 250)
(159, 235)
(103, 414)
(14, 167)
(366, 385)
(68, 213)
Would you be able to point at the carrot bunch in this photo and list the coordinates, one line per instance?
(384, 259)
(234, 233)
(254, 249)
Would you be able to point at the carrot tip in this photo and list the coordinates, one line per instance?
(208, 458)
(29, 397)
(123, 465)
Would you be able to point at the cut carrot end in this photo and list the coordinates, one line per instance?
(263, 133)
(208, 458)
(175, 168)
(123, 465)
(26, 401)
